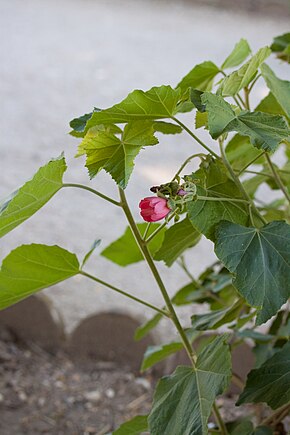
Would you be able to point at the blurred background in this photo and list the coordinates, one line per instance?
(59, 59)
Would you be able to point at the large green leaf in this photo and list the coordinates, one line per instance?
(30, 268)
(206, 214)
(183, 401)
(265, 130)
(32, 195)
(279, 88)
(116, 155)
(135, 426)
(260, 262)
(217, 318)
(155, 354)
(270, 383)
(240, 53)
(157, 103)
(125, 251)
(239, 79)
(177, 239)
(200, 77)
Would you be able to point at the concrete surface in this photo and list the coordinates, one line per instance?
(61, 58)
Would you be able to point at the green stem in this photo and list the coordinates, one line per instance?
(128, 295)
(194, 136)
(149, 238)
(277, 178)
(183, 266)
(148, 258)
(238, 95)
(254, 82)
(186, 163)
(219, 420)
(146, 230)
(239, 185)
(280, 412)
(209, 198)
(247, 99)
(251, 162)
(95, 192)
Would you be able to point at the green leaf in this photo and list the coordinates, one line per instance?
(265, 130)
(281, 46)
(116, 155)
(157, 103)
(195, 97)
(240, 53)
(146, 327)
(240, 152)
(183, 401)
(201, 120)
(215, 319)
(239, 79)
(244, 428)
(167, 127)
(79, 124)
(91, 251)
(269, 104)
(260, 262)
(279, 88)
(32, 195)
(155, 354)
(177, 239)
(200, 77)
(251, 184)
(30, 268)
(263, 430)
(255, 335)
(205, 215)
(269, 383)
(125, 251)
(135, 426)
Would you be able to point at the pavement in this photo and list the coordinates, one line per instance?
(61, 58)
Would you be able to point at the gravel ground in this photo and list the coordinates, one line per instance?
(61, 58)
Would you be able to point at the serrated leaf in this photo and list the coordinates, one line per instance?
(146, 327)
(183, 401)
(32, 195)
(167, 127)
(79, 124)
(155, 354)
(265, 130)
(200, 77)
(124, 251)
(116, 155)
(241, 152)
(135, 426)
(157, 103)
(205, 215)
(195, 97)
(279, 88)
(215, 319)
(177, 239)
(30, 268)
(240, 53)
(269, 383)
(260, 262)
(239, 79)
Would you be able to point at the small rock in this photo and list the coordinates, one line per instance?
(110, 393)
(93, 396)
(144, 383)
(1, 398)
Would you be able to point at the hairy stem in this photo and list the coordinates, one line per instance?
(148, 258)
(209, 198)
(200, 155)
(95, 192)
(128, 295)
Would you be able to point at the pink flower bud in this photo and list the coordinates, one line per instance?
(182, 192)
(153, 208)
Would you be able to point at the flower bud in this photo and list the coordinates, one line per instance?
(153, 208)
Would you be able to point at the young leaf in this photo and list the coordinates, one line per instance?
(240, 53)
(125, 251)
(270, 383)
(78, 125)
(215, 319)
(260, 261)
(30, 268)
(205, 215)
(269, 104)
(183, 401)
(157, 103)
(155, 354)
(135, 426)
(264, 130)
(166, 127)
(146, 327)
(200, 77)
(106, 151)
(32, 195)
(177, 239)
(239, 79)
(279, 88)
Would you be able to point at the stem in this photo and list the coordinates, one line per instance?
(254, 82)
(146, 230)
(183, 266)
(219, 420)
(251, 162)
(238, 95)
(239, 185)
(95, 192)
(148, 258)
(277, 178)
(194, 136)
(94, 278)
(280, 412)
(185, 163)
(209, 198)
(149, 238)
(247, 100)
